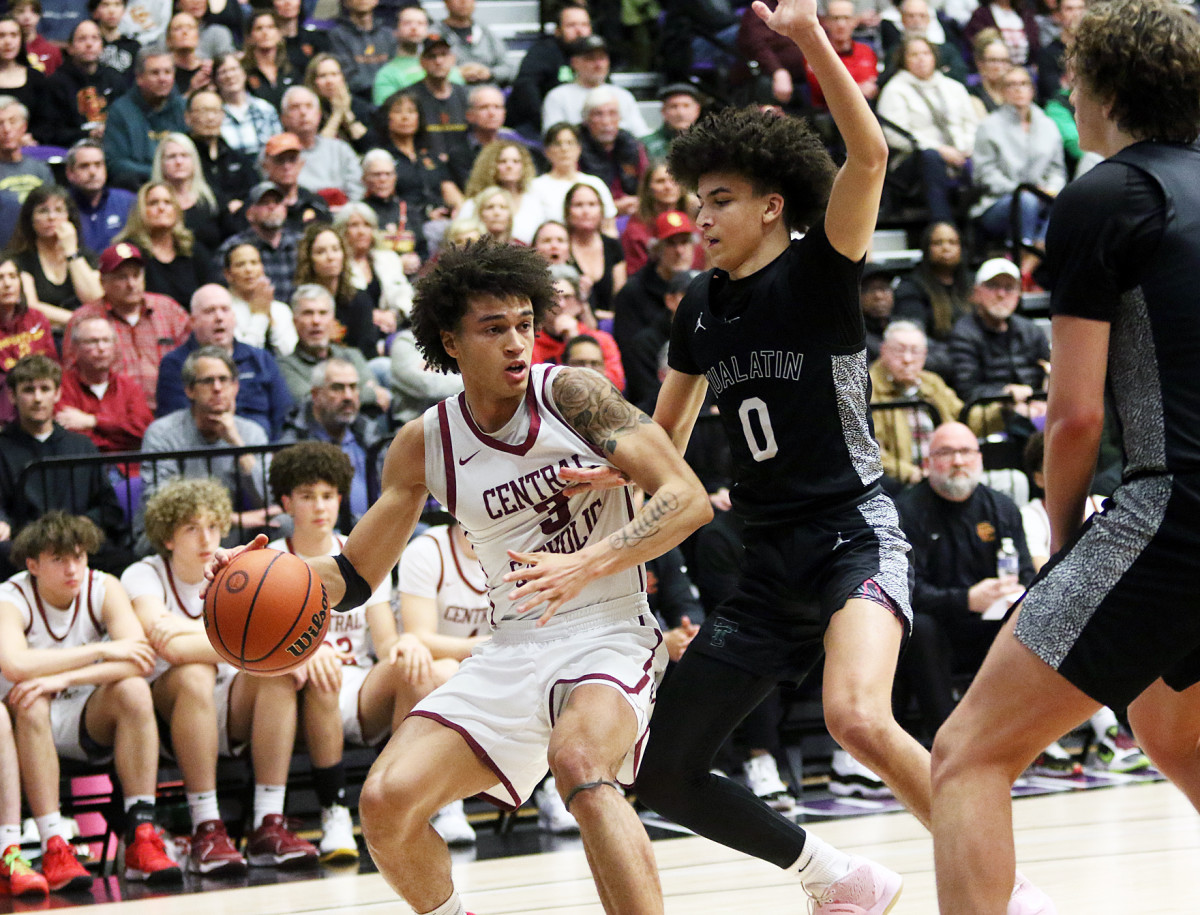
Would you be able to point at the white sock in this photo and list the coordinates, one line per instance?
(452, 906)
(1103, 720)
(203, 807)
(820, 864)
(51, 825)
(138, 799)
(9, 835)
(268, 799)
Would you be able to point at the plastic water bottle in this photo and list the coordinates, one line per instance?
(1008, 564)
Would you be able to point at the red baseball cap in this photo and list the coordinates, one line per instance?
(673, 222)
(115, 255)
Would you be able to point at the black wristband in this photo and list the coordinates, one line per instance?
(358, 592)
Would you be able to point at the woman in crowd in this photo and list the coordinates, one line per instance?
(562, 146)
(937, 292)
(508, 165)
(463, 231)
(343, 117)
(249, 121)
(57, 275)
(1016, 23)
(493, 207)
(216, 37)
(19, 78)
(992, 60)
(261, 320)
(937, 112)
(177, 164)
(597, 256)
(268, 72)
(23, 330)
(176, 264)
(658, 192)
(1017, 144)
(552, 242)
(193, 70)
(322, 259)
(375, 268)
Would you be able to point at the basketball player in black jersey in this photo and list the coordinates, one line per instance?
(1113, 618)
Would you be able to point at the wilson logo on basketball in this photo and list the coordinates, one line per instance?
(236, 581)
(309, 635)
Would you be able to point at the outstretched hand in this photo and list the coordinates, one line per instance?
(789, 16)
(223, 557)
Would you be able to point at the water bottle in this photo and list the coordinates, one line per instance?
(1008, 564)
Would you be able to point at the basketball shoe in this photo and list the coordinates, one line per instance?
(1055, 762)
(1027, 899)
(17, 876)
(212, 854)
(850, 778)
(63, 871)
(274, 845)
(553, 816)
(451, 824)
(1117, 752)
(869, 889)
(146, 858)
(762, 777)
(337, 836)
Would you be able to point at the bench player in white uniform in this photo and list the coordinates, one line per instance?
(347, 696)
(77, 656)
(570, 672)
(206, 707)
(444, 603)
(17, 876)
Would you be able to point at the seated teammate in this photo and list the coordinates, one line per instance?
(17, 876)
(347, 696)
(208, 708)
(77, 657)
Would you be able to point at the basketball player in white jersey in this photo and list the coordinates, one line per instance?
(207, 707)
(347, 696)
(444, 603)
(17, 876)
(569, 675)
(77, 657)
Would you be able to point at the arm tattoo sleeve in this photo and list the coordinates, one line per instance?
(595, 408)
(647, 522)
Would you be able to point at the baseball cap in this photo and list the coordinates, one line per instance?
(679, 89)
(673, 222)
(281, 143)
(996, 266)
(260, 190)
(872, 270)
(432, 43)
(115, 255)
(586, 45)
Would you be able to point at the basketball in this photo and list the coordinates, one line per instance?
(266, 612)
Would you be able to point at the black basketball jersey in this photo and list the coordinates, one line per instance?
(783, 350)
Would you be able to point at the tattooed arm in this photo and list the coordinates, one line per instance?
(676, 503)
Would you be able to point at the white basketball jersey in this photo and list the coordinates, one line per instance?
(505, 491)
(348, 631)
(434, 567)
(47, 626)
(152, 576)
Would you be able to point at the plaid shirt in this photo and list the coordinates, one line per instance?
(279, 264)
(250, 131)
(162, 326)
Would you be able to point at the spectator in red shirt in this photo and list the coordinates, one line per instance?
(28, 13)
(23, 330)
(148, 326)
(570, 319)
(840, 21)
(98, 400)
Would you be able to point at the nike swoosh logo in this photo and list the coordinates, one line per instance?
(462, 461)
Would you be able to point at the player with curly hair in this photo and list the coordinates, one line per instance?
(1110, 618)
(569, 676)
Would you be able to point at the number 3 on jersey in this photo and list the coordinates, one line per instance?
(760, 449)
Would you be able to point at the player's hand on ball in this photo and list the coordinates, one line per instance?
(548, 578)
(223, 557)
(587, 479)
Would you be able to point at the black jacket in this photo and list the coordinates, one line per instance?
(73, 98)
(985, 361)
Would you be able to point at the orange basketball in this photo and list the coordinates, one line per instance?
(266, 612)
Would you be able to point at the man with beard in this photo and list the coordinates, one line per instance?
(956, 526)
(266, 212)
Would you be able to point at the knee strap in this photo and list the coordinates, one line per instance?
(587, 786)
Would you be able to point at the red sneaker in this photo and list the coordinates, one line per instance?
(17, 876)
(64, 873)
(146, 858)
(212, 853)
(274, 845)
